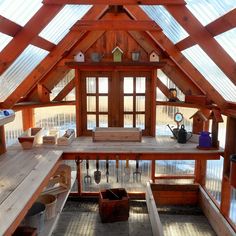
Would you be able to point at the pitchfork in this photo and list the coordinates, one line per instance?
(87, 177)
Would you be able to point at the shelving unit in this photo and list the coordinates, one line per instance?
(61, 200)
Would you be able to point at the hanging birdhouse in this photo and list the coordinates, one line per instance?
(216, 118)
(117, 54)
(79, 57)
(153, 57)
(199, 122)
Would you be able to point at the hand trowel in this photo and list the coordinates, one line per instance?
(97, 173)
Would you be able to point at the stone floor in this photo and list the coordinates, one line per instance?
(81, 217)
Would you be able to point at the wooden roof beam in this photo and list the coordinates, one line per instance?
(162, 87)
(182, 62)
(65, 91)
(23, 38)
(52, 59)
(219, 26)
(117, 2)
(116, 25)
(205, 40)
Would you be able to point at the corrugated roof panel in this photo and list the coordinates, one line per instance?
(211, 72)
(4, 40)
(171, 28)
(19, 11)
(63, 21)
(228, 41)
(20, 69)
(207, 11)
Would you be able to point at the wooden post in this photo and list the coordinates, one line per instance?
(153, 102)
(200, 172)
(153, 170)
(78, 99)
(78, 164)
(3, 148)
(28, 118)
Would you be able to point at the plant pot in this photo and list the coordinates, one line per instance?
(233, 170)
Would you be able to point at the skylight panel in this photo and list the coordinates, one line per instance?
(171, 28)
(19, 11)
(63, 21)
(4, 40)
(20, 69)
(211, 72)
(207, 11)
(227, 40)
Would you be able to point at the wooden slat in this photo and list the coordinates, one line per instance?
(117, 2)
(65, 91)
(205, 40)
(115, 25)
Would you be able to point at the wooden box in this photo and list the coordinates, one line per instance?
(51, 138)
(117, 134)
(30, 137)
(67, 138)
(113, 205)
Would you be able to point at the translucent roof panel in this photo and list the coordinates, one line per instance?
(4, 40)
(171, 28)
(19, 11)
(19, 70)
(227, 40)
(211, 72)
(207, 11)
(63, 21)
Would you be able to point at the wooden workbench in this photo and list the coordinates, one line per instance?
(23, 175)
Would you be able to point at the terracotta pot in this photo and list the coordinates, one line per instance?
(233, 170)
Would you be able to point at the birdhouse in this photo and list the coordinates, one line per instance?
(216, 118)
(79, 57)
(199, 122)
(153, 57)
(117, 54)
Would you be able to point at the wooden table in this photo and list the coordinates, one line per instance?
(23, 175)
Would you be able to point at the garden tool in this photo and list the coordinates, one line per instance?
(87, 177)
(107, 170)
(97, 173)
(137, 173)
(127, 171)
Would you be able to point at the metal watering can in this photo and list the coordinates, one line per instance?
(181, 134)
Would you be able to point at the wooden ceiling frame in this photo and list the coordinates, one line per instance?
(219, 26)
(117, 2)
(65, 45)
(10, 28)
(204, 39)
(25, 36)
(162, 87)
(182, 62)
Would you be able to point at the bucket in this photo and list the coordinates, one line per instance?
(35, 216)
(49, 201)
(135, 56)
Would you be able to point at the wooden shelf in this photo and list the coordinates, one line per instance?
(61, 200)
(183, 104)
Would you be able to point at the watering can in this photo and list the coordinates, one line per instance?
(183, 135)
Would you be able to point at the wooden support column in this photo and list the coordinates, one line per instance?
(27, 118)
(200, 172)
(153, 102)
(78, 100)
(153, 170)
(3, 148)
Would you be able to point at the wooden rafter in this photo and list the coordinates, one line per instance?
(65, 91)
(117, 2)
(205, 40)
(52, 59)
(178, 58)
(43, 43)
(219, 26)
(162, 87)
(116, 25)
(23, 38)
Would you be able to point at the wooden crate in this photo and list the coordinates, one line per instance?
(117, 134)
(51, 138)
(30, 137)
(112, 208)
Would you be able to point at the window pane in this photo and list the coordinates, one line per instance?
(103, 103)
(103, 85)
(128, 103)
(91, 103)
(140, 103)
(103, 120)
(128, 85)
(140, 121)
(91, 85)
(140, 84)
(91, 121)
(128, 121)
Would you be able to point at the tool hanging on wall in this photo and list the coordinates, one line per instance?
(117, 168)
(127, 171)
(97, 173)
(137, 173)
(87, 177)
(107, 170)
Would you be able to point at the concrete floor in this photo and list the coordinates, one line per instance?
(82, 218)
